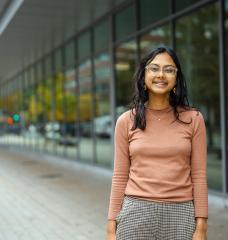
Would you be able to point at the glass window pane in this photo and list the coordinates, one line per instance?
(103, 121)
(180, 4)
(84, 46)
(126, 55)
(10, 110)
(44, 100)
(20, 109)
(59, 113)
(48, 98)
(38, 93)
(39, 71)
(85, 109)
(101, 36)
(70, 54)
(58, 60)
(48, 66)
(32, 109)
(32, 75)
(197, 46)
(28, 108)
(152, 11)
(26, 78)
(154, 38)
(58, 99)
(71, 109)
(122, 20)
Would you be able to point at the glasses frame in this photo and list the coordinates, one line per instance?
(161, 69)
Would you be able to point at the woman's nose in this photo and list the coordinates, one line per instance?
(161, 74)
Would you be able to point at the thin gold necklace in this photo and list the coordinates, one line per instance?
(156, 117)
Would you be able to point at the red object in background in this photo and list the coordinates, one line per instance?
(10, 121)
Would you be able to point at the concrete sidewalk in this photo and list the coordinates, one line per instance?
(49, 198)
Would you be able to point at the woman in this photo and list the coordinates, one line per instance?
(159, 186)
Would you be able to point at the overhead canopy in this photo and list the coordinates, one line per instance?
(40, 25)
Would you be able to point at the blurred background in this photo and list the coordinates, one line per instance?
(66, 71)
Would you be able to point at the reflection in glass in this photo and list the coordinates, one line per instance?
(125, 66)
(27, 109)
(122, 20)
(3, 114)
(101, 36)
(32, 113)
(19, 102)
(10, 113)
(59, 124)
(49, 124)
(59, 116)
(180, 4)
(84, 47)
(197, 46)
(71, 92)
(152, 11)
(154, 38)
(40, 107)
(102, 121)
(69, 54)
(85, 111)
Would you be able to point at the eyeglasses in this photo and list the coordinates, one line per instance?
(168, 71)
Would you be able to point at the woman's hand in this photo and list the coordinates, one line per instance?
(111, 230)
(199, 235)
(111, 236)
(201, 229)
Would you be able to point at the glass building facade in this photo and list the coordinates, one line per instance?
(67, 102)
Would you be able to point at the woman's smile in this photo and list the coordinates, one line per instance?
(160, 84)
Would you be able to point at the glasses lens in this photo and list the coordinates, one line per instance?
(170, 71)
(153, 69)
(167, 71)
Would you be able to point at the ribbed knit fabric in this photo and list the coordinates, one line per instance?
(165, 163)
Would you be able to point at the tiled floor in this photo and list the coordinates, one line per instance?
(49, 198)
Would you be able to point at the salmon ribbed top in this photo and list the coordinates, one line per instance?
(166, 162)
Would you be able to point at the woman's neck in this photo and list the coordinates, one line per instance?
(158, 103)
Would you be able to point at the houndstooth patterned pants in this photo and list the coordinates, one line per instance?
(147, 220)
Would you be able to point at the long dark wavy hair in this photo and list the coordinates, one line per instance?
(177, 99)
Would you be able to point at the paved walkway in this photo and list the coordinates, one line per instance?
(49, 198)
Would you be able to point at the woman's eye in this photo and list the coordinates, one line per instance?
(169, 70)
(154, 69)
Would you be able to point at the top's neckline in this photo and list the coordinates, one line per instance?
(164, 110)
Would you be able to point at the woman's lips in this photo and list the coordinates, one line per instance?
(160, 84)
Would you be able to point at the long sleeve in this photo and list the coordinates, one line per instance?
(199, 167)
(121, 166)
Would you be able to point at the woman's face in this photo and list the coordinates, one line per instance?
(160, 74)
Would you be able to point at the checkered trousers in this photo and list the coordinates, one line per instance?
(148, 220)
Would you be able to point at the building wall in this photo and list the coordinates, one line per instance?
(68, 101)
